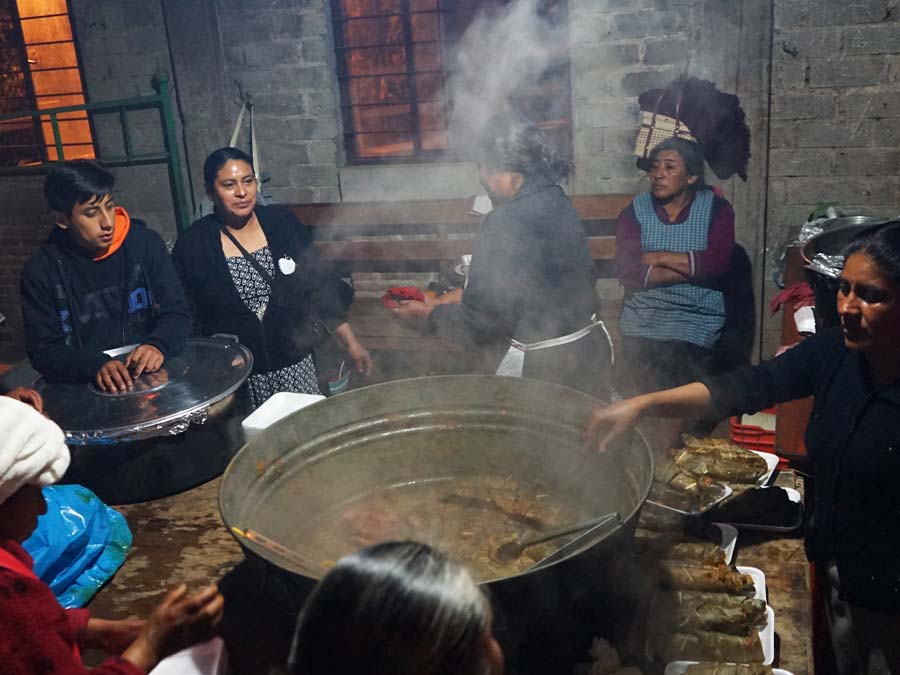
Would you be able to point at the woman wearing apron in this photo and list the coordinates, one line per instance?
(531, 281)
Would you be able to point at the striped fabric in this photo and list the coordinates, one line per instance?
(684, 312)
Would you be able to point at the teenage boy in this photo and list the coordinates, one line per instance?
(100, 281)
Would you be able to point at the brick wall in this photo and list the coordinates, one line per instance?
(835, 113)
(24, 224)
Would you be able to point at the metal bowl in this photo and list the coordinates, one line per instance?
(836, 233)
(412, 431)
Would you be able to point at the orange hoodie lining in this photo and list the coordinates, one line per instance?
(121, 226)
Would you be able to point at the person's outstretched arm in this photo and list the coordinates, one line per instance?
(606, 424)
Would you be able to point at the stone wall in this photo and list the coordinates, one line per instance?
(835, 129)
(834, 93)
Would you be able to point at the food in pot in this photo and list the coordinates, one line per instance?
(719, 668)
(716, 579)
(466, 517)
(690, 611)
(709, 646)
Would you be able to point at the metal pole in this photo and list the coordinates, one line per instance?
(160, 84)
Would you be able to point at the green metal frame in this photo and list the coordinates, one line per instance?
(169, 155)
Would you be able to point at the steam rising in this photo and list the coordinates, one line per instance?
(502, 54)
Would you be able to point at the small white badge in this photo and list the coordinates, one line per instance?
(287, 265)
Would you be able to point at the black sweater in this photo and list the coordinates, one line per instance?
(75, 307)
(853, 440)
(532, 278)
(303, 307)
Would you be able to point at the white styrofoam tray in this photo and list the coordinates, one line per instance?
(729, 540)
(275, 407)
(771, 464)
(766, 638)
(206, 658)
(759, 581)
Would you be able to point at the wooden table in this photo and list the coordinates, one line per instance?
(182, 539)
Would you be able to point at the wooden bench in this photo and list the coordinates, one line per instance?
(396, 240)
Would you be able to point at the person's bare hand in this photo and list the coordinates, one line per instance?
(144, 359)
(177, 623)
(412, 310)
(361, 357)
(113, 637)
(607, 424)
(113, 376)
(654, 258)
(29, 396)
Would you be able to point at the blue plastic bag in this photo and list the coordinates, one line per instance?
(78, 544)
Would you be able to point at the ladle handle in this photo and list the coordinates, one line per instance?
(553, 534)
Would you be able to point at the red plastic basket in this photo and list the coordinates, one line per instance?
(753, 437)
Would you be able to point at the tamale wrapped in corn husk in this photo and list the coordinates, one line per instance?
(707, 443)
(717, 579)
(709, 646)
(718, 668)
(687, 612)
(669, 548)
(745, 469)
(660, 520)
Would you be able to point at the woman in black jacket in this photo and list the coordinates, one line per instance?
(253, 271)
(531, 281)
(853, 439)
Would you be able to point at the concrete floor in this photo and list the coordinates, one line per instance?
(182, 539)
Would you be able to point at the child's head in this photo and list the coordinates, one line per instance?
(80, 198)
(33, 453)
(398, 608)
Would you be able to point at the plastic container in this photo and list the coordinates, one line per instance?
(206, 658)
(274, 408)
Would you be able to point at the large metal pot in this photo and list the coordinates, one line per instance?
(823, 279)
(415, 430)
(171, 431)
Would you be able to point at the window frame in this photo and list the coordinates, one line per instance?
(346, 107)
(45, 144)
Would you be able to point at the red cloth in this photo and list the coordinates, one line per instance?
(394, 295)
(36, 634)
(801, 292)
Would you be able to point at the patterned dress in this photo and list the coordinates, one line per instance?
(254, 291)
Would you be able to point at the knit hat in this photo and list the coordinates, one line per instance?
(32, 448)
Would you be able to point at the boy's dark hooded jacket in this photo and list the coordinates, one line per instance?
(76, 307)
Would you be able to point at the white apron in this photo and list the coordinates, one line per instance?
(513, 363)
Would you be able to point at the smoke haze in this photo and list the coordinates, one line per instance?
(502, 54)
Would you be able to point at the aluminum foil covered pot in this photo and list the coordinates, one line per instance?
(172, 430)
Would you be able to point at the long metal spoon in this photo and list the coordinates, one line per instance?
(512, 550)
(581, 541)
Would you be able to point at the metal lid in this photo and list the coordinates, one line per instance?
(162, 403)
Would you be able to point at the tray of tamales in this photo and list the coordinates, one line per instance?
(710, 613)
(714, 668)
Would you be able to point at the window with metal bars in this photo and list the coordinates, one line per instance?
(39, 69)
(393, 70)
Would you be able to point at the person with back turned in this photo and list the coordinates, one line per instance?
(397, 608)
(531, 281)
(853, 439)
(101, 281)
